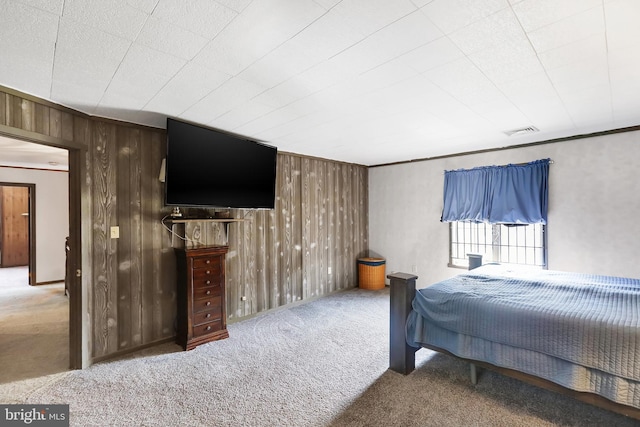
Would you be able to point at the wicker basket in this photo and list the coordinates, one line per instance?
(371, 273)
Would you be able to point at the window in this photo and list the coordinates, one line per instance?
(506, 244)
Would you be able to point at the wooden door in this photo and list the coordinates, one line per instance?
(14, 217)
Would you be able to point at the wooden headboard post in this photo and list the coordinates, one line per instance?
(475, 261)
(402, 357)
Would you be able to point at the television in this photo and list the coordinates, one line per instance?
(207, 168)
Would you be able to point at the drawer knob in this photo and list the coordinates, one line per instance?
(208, 282)
(208, 302)
(208, 261)
(208, 271)
(208, 315)
(208, 328)
(208, 292)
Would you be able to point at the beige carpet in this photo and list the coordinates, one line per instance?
(34, 327)
(318, 364)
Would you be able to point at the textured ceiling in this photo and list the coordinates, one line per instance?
(364, 81)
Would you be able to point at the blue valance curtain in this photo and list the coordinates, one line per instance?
(511, 194)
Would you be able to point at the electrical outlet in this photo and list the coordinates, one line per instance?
(115, 232)
(243, 298)
(329, 270)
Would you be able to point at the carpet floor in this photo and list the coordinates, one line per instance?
(323, 363)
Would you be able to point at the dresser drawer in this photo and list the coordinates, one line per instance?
(204, 274)
(206, 292)
(206, 262)
(206, 304)
(207, 328)
(207, 316)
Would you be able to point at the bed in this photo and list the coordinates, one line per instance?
(574, 333)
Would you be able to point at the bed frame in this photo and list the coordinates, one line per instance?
(402, 356)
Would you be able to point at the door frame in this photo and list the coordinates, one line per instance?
(79, 338)
(32, 226)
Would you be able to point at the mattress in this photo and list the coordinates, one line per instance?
(580, 331)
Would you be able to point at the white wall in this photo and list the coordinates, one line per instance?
(52, 217)
(594, 207)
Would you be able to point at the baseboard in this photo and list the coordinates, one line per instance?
(50, 282)
(131, 350)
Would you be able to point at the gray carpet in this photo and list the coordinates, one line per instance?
(317, 364)
(34, 327)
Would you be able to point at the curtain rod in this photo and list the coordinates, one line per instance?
(510, 164)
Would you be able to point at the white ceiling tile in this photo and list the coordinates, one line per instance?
(452, 15)
(568, 30)
(245, 113)
(464, 81)
(114, 17)
(168, 38)
(432, 55)
(18, 20)
(52, 6)
(622, 19)
(145, 6)
(203, 17)
(142, 73)
(81, 96)
(508, 62)
(236, 5)
(269, 120)
(579, 76)
(255, 33)
(225, 98)
(327, 36)
(279, 65)
(285, 93)
(27, 76)
(368, 16)
(89, 50)
(180, 93)
(534, 14)
(499, 29)
(594, 46)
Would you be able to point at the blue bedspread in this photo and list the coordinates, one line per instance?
(528, 318)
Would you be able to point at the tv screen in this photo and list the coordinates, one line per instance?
(208, 168)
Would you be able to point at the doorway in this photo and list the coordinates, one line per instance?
(17, 227)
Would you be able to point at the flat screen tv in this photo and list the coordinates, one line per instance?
(209, 168)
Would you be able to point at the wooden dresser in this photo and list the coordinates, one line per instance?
(202, 313)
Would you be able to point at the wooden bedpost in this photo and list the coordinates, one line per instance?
(475, 261)
(402, 357)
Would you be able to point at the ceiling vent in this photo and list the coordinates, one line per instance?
(530, 129)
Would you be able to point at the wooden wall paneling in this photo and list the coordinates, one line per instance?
(233, 265)
(105, 310)
(28, 119)
(123, 253)
(67, 126)
(295, 249)
(135, 226)
(306, 213)
(42, 119)
(151, 244)
(331, 224)
(250, 264)
(323, 234)
(55, 123)
(3, 108)
(164, 260)
(273, 241)
(14, 116)
(261, 301)
(284, 226)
